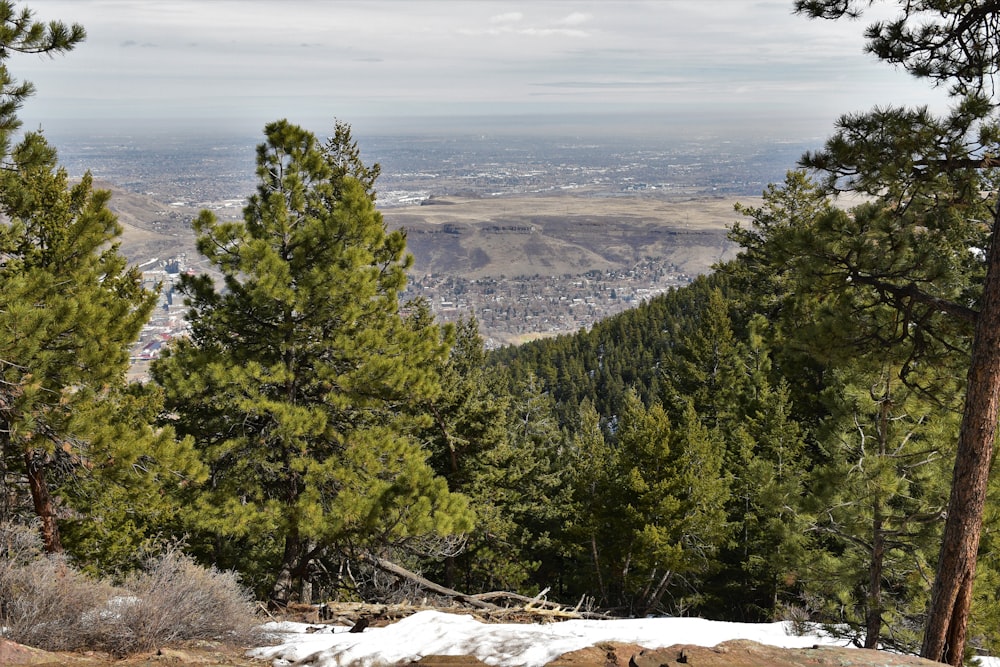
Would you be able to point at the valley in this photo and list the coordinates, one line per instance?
(524, 265)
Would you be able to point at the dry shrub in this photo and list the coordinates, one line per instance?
(43, 601)
(46, 603)
(19, 545)
(177, 599)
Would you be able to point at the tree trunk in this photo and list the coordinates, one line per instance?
(945, 632)
(306, 591)
(34, 463)
(873, 617)
(597, 567)
(281, 593)
(873, 620)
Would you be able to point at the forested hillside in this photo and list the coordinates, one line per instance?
(827, 470)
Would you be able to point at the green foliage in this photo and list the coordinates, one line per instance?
(875, 505)
(865, 295)
(705, 364)
(590, 463)
(518, 492)
(894, 277)
(621, 353)
(499, 445)
(907, 279)
(662, 517)
(21, 33)
(75, 438)
(344, 157)
(984, 622)
(71, 310)
(297, 377)
(951, 42)
(931, 178)
(727, 381)
(129, 498)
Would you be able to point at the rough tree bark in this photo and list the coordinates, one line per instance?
(954, 44)
(951, 597)
(291, 559)
(34, 464)
(873, 620)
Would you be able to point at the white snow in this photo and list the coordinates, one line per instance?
(506, 645)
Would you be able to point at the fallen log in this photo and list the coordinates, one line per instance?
(427, 584)
(534, 602)
(537, 606)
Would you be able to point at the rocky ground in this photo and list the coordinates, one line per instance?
(738, 653)
(186, 655)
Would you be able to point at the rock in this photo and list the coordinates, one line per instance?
(737, 653)
(605, 654)
(17, 654)
(449, 661)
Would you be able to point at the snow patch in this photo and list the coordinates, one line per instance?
(507, 644)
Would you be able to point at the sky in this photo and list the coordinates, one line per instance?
(637, 65)
(511, 645)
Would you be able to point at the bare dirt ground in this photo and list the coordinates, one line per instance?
(738, 653)
(183, 655)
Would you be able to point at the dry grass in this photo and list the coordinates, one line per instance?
(574, 232)
(43, 601)
(565, 234)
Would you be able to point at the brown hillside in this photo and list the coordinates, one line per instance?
(512, 236)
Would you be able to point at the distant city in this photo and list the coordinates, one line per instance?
(194, 172)
(206, 171)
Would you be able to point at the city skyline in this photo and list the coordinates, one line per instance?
(723, 66)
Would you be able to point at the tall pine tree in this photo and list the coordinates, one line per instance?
(20, 32)
(71, 310)
(928, 175)
(876, 500)
(300, 371)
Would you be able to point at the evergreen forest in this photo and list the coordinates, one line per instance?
(804, 434)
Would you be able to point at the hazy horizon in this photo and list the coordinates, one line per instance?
(721, 68)
(598, 126)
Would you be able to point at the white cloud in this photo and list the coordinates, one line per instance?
(549, 32)
(576, 18)
(509, 17)
(373, 57)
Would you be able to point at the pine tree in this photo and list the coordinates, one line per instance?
(663, 517)
(300, 371)
(766, 461)
(834, 304)
(929, 175)
(707, 367)
(727, 383)
(344, 157)
(71, 310)
(591, 462)
(470, 427)
(515, 482)
(876, 502)
(128, 494)
(21, 33)
(470, 411)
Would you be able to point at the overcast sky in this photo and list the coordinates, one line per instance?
(379, 64)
